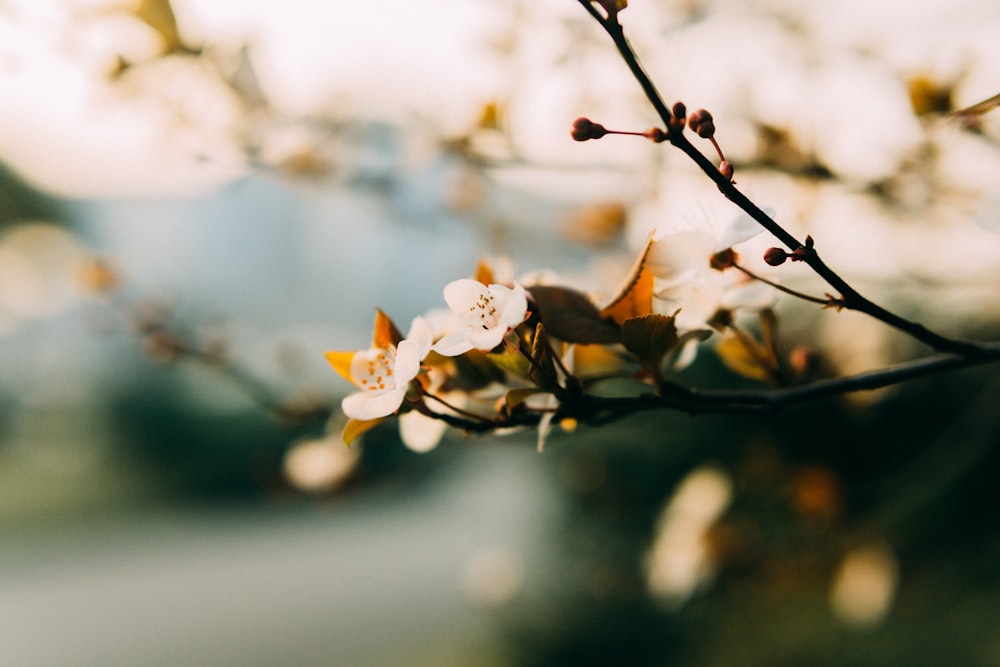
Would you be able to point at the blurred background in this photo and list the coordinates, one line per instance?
(198, 198)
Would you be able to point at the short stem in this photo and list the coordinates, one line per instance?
(829, 301)
(455, 409)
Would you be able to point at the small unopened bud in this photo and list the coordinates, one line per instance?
(678, 117)
(585, 129)
(726, 168)
(656, 135)
(701, 123)
(612, 7)
(775, 256)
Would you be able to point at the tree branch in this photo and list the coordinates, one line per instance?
(851, 298)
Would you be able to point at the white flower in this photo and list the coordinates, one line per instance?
(383, 374)
(680, 261)
(487, 313)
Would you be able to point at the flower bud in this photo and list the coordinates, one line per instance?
(656, 135)
(584, 129)
(612, 7)
(679, 111)
(701, 123)
(775, 256)
(678, 117)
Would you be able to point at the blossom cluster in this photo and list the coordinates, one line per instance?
(507, 355)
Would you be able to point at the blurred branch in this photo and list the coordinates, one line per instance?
(166, 341)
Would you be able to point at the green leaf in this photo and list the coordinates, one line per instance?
(571, 316)
(511, 361)
(650, 337)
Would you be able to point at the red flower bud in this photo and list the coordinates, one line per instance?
(775, 256)
(701, 123)
(656, 135)
(584, 129)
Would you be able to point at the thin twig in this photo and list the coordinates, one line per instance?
(829, 301)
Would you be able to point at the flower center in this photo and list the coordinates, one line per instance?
(373, 371)
(483, 312)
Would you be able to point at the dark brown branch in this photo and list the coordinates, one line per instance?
(850, 297)
(599, 410)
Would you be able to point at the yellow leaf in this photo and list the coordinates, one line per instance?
(341, 362)
(356, 427)
(595, 360)
(489, 117)
(636, 297)
(159, 15)
(384, 332)
(516, 397)
(484, 273)
(744, 356)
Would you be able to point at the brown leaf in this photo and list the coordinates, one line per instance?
(571, 316)
(650, 337)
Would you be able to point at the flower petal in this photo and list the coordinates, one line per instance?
(679, 255)
(367, 405)
(419, 432)
(463, 293)
(485, 339)
(513, 304)
(739, 229)
(407, 363)
(453, 344)
(752, 295)
(422, 334)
